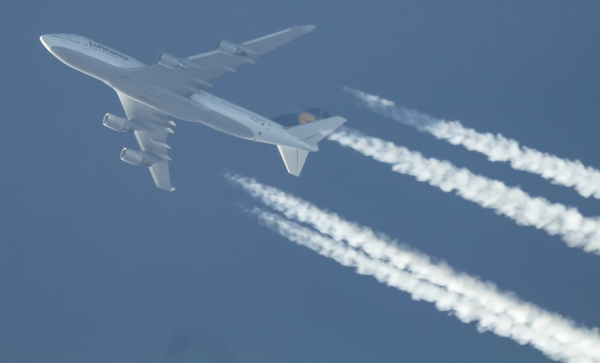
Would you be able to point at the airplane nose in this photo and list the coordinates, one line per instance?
(45, 39)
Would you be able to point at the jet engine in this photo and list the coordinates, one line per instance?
(171, 61)
(136, 157)
(116, 123)
(230, 48)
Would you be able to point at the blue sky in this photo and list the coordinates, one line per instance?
(98, 265)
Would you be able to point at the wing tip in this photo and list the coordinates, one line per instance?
(306, 28)
(167, 188)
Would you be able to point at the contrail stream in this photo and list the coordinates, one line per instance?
(585, 180)
(466, 297)
(556, 219)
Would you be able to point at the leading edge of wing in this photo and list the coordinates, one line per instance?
(266, 43)
(299, 30)
(204, 68)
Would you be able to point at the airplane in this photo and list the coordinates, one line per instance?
(175, 88)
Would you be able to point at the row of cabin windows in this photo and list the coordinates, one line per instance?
(235, 108)
(252, 116)
(71, 40)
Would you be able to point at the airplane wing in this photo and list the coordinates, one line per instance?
(185, 76)
(151, 128)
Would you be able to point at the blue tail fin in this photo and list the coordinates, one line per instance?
(301, 117)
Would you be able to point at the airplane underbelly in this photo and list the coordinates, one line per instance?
(227, 125)
(183, 108)
(211, 117)
(188, 110)
(84, 63)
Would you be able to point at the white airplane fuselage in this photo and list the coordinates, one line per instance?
(118, 71)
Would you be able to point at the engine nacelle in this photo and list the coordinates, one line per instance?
(135, 157)
(171, 61)
(116, 123)
(230, 48)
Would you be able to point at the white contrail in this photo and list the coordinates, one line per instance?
(466, 297)
(586, 180)
(561, 344)
(575, 229)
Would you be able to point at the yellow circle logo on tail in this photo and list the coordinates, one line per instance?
(305, 117)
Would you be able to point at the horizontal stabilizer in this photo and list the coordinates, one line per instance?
(313, 132)
(310, 126)
(293, 158)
